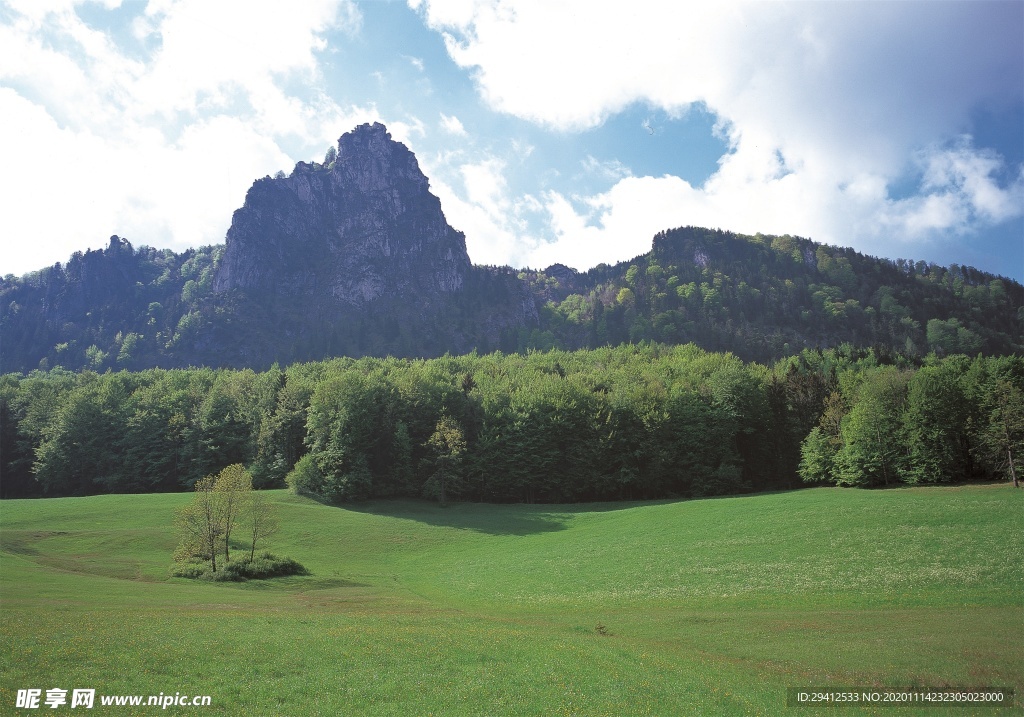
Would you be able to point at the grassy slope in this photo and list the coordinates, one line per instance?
(711, 607)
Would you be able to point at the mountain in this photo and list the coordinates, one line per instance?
(351, 257)
(763, 297)
(362, 228)
(355, 257)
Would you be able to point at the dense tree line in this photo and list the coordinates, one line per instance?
(946, 421)
(632, 422)
(115, 308)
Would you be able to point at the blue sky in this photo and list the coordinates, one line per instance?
(552, 130)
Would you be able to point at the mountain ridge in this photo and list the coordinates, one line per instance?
(354, 257)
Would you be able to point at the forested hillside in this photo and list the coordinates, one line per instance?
(127, 308)
(641, 421)
(119, 307)
(760, 297)
(767, 297)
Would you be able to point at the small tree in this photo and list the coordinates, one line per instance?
(201, 524)
(874, 446)
(234, 483)
(205, 525)
(262, 520)
(330, 157)
(817, 457)
(447, 445)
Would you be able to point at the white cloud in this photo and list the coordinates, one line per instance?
(452, 125)
(476, 200)
(76, 189)
(824, 106)
(186, 186)
(210, 51)
(616, 225)
(752, 192)
(88, 83)
(967, 173)
(159, 147)
(959, 192)
(404, 131)
(608, 169)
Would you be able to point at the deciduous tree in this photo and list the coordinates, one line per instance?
(234, 484)
(201, 524)
(873, 437)
(1004, 433)
(936, 425)
(262, 520)
(447, 444)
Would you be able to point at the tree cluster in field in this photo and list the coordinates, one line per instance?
(224, 505)
(632, 422)
(760, 297)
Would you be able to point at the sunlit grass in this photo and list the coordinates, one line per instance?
(706, 607)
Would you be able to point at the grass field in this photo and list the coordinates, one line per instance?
(705, 607)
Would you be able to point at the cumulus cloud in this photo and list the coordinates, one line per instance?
(76, 188)
(613, 226)
(825, 106)
(452, 125)
(756, 192)
(960, 190)
(477, 201)
(158, 133)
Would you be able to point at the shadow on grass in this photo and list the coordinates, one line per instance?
(491, 518)
(506, 518)
(299, 583)
(479, 517)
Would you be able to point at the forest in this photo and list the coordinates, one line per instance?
(760, 297)
(636, 421)
(765, 297)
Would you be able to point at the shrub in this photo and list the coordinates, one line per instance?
(192, 569)
(305, 478)
(263, 565)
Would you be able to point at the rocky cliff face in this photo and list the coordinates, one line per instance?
(364, 228)
(353, 258)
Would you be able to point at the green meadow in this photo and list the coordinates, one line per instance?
(702, 607)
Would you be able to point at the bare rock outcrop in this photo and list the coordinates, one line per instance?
(363, 228)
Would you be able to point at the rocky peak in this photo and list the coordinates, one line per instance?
(565, 275)
(363, 228)
(371, 160)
